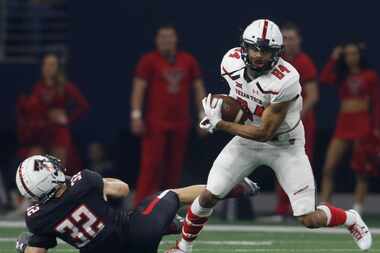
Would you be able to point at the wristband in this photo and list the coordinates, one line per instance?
(136, 114)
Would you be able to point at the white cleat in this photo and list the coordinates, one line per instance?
(253, 188)
(360, 232)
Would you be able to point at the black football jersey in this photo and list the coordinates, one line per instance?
(80, 217)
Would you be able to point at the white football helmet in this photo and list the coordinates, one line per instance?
(262, 35)
(37, 177)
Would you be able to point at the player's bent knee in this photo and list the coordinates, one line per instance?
(207, 199)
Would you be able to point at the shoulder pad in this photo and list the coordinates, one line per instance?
(285, 73)
(231, 61)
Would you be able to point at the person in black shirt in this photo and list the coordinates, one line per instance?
(78, 210)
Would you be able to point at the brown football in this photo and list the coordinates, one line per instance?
(231, 109)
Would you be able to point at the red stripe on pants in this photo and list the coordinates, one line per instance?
(151, 206)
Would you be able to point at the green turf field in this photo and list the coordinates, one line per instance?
(234, 241)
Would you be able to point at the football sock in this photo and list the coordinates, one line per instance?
(196, 218)
(337, 216)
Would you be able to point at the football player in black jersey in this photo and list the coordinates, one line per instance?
(77, 210)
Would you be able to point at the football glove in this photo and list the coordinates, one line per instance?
(213, 109)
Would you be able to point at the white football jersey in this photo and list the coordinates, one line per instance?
(281, 84)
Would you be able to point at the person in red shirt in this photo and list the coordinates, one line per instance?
(358, 117)
(163, 82)
(61, 103)
(308, 78)
(30, 126)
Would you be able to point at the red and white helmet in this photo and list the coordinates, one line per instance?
(37, 177)
(262, 35)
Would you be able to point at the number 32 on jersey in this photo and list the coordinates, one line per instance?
(82, 226)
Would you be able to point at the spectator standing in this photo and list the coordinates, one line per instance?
(358, 117)
(61, 104)
(163, 82)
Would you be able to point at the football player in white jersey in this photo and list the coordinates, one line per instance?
(273, 135)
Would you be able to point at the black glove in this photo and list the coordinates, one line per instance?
(22, 241)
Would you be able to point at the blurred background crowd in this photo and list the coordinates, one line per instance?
(116, 87)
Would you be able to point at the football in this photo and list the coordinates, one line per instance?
(232, 110)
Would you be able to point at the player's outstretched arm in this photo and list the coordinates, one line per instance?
(115, 188)
(272, 118)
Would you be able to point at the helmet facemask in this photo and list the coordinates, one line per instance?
(58, 177)
(57, 164)
(261, 45)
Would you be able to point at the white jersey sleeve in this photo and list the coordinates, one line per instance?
(290, 89)
(231, 67)
(231, 64)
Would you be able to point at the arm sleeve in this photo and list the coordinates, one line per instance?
(144, 68)
(328, 75)
(290, 90)
(42, 241)
(81, 103)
